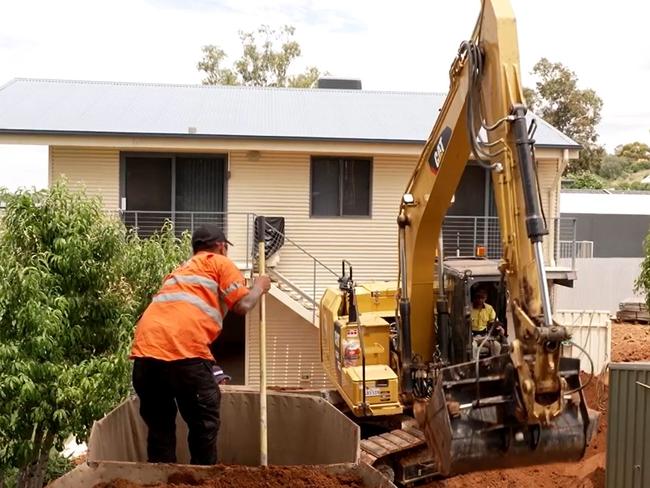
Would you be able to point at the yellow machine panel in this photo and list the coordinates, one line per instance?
(381, 390)
(377, 297)
(371, 333)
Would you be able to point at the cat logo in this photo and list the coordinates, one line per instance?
(439, 150)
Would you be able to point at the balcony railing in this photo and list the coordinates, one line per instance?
(314, 275)
(305, 276)
(464, 234)
(238, 226)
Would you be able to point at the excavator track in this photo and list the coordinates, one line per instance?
(389, 443)
(401, 455)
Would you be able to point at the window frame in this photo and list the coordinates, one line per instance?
(173, 155)
(340, 158)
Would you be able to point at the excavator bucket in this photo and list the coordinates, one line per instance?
(470, 422)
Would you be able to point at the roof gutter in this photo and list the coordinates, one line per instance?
(231, 137)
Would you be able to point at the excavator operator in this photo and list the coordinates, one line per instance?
(482, 317)
(173, 365)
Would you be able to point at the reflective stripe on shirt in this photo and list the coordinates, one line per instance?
(193, 280)
(181, 296)
(231, 288)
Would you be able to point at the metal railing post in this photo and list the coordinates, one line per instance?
(249, 250)
(192, 222)
(573, 254)
(313, 309)
(136, 222)
(474, 237)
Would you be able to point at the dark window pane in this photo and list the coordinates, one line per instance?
(199, 184)
(148, 183)
(148, 191)
(356, 187)
(325, 187)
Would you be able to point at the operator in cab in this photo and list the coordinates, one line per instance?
(484, 316)
(173, 368)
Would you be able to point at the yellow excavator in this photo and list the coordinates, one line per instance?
(401, 354)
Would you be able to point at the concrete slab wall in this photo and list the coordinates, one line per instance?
(601, 285)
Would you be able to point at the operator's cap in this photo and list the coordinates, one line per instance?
(219, 375)
(208, 234)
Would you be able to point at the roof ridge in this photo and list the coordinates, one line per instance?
(9, 83)
(217, 87)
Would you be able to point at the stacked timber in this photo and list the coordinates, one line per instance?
(633, 310)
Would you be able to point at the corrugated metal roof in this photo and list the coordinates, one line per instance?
(572, 202)
(59, 106)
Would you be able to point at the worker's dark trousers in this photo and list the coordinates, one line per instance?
(161, 386)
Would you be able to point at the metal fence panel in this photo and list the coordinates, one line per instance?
(591, 330)
(628, 430)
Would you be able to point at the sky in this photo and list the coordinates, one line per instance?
(398, 46)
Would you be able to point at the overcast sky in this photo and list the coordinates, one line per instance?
(405, 45)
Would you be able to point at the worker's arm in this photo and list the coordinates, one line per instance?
(261, 285)
(492, 315)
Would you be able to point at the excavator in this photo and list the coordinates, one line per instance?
(401, 353)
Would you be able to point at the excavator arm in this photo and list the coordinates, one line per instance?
(493, 411)
(485, 97)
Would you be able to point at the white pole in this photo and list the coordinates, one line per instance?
(264, 454)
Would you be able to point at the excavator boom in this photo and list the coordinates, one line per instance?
(515, 404)
(418, 359)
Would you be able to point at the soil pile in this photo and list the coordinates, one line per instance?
(242, 476)
(629, 343)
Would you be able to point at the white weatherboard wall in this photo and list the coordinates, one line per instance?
(549, 185)
(592, 331)
(97, 170)
(278, 184)
(292, 349)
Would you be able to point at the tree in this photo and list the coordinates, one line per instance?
(642, 283)
(634, 151)
(574, 111)
(583, 179)
(74, 280)
(611, 167)
(267, 56)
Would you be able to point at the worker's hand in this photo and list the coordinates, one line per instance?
(263, 282)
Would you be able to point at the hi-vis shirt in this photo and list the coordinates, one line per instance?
(482, 316)
(186, 315)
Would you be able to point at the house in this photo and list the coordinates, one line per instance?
(614, 223)
(610, 228)
(332, 163)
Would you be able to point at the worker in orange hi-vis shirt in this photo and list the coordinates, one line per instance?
(172, 359)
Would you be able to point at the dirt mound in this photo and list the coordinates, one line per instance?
(629, 343)
(242, 476)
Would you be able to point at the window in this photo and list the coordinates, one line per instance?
(340, 187)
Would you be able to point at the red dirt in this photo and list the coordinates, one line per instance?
(629, 343)
(242, 476)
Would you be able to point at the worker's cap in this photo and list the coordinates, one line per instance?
(219, 375)
(208, 234)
